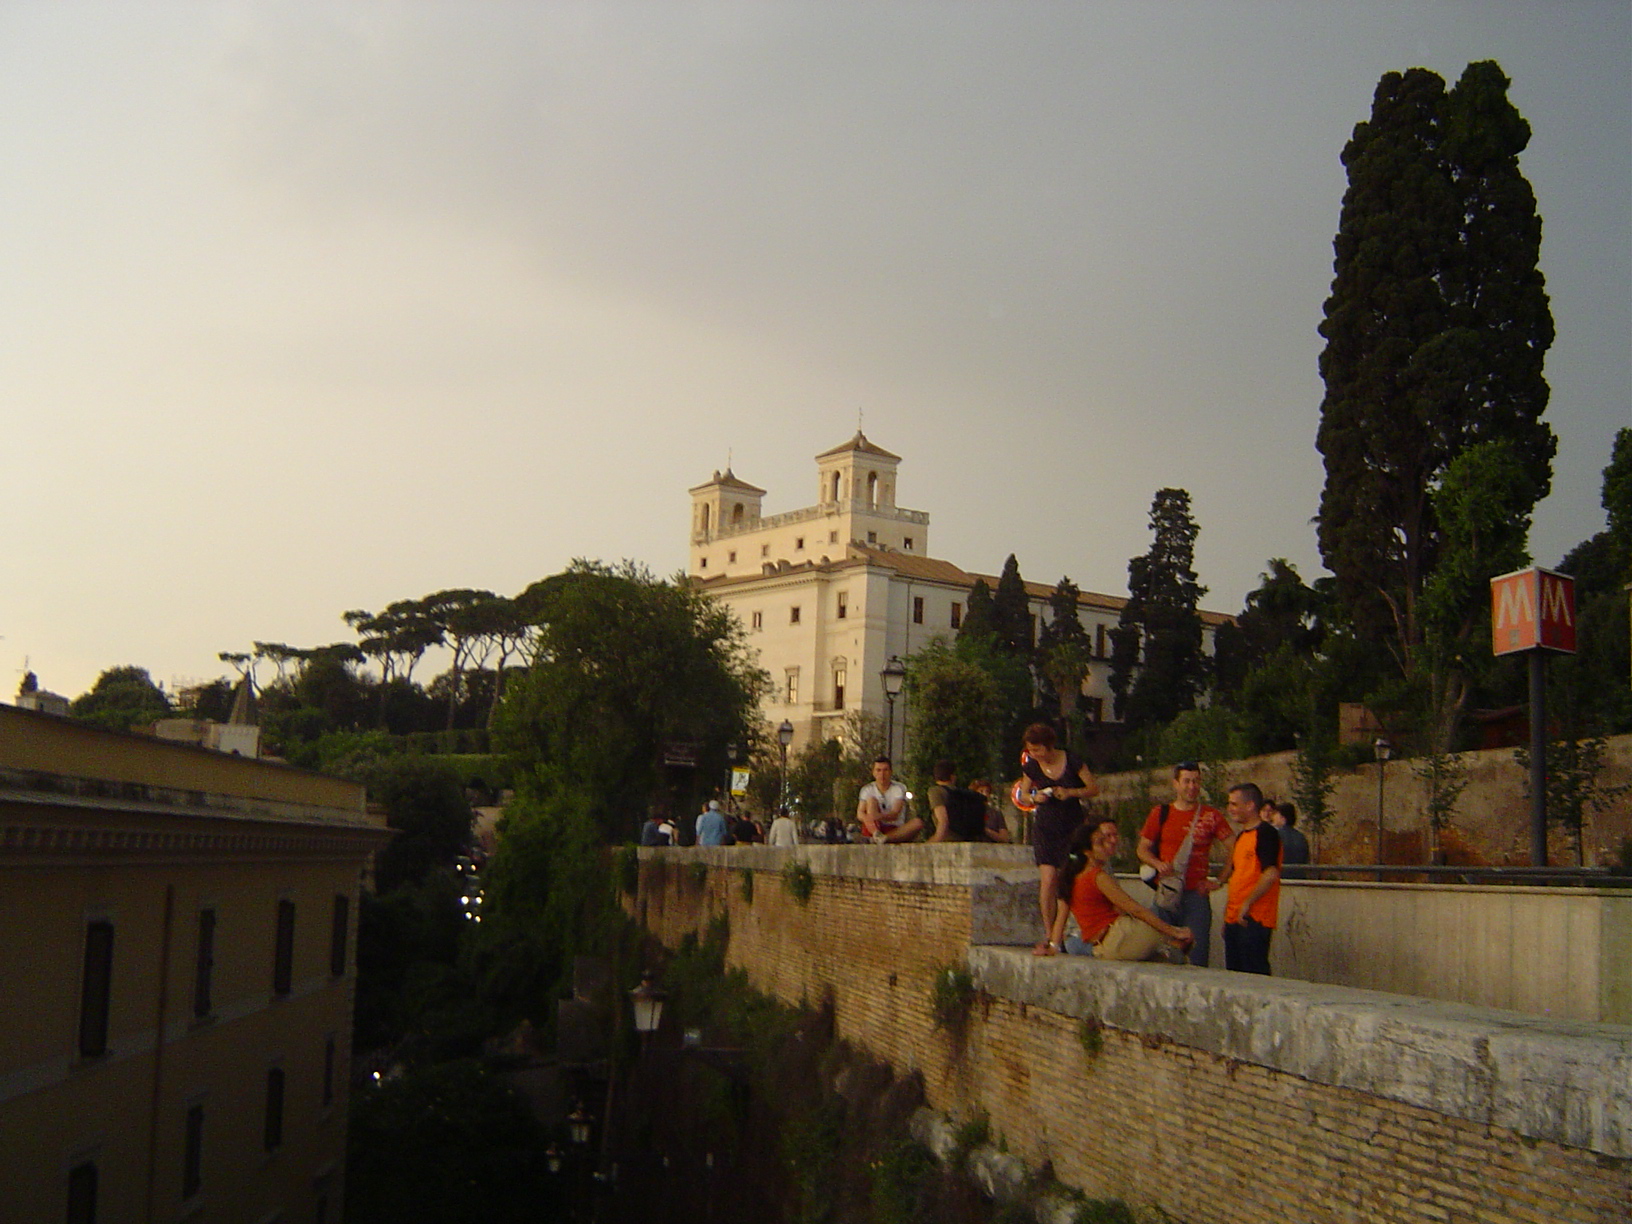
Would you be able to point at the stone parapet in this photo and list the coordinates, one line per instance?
(1564, 1082)
(1212, 1096)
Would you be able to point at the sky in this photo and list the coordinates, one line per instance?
(311, 307)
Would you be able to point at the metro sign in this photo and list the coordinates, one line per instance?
(1532, 609)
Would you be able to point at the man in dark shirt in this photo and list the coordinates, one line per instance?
(1294, 845)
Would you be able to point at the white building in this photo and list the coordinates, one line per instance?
(830, 593)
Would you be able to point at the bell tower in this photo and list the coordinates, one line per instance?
(723, 505)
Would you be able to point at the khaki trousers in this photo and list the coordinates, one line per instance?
(1128, 939)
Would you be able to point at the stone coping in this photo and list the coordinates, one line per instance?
(1562, 1081)
(950, 863)
(991, 862)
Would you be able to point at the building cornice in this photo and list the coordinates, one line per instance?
(46, 818)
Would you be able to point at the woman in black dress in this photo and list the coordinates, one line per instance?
(1059, 782)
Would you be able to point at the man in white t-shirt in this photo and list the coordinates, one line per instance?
(882, 807)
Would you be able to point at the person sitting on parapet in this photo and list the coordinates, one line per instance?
(1253, 878)
(711, 827)
(651, 833)
(784, 832)
(1294, 845)
(996, 830)
(882, 807)
(1114, 926)
(960, 815)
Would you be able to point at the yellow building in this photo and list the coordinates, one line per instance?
(176, 979)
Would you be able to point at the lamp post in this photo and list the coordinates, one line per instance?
(894, 676)
(648, 999)
(1384, 749)
(784, 737)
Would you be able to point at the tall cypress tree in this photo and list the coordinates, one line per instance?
(1157, 667)
(1436, 330)
(1011, 611)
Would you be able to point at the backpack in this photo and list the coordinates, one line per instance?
(965, 814)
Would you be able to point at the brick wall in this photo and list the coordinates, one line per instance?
(1214, 1096)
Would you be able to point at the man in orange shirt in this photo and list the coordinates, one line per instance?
(1253, 877)
(1184, 828)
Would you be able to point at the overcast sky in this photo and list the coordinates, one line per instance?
(310, 307)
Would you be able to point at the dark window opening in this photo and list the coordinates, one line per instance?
(917, 609)
(793, 616)
(97, 989)
(273, 1130)
(82, 1194)
(338, 935)
(957, 616)
(283, 961)
(204, 972)
(192, 1164)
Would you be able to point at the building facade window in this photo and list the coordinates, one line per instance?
(799, 543)
(906, 543)
(764, 550)
(82, 1193)
(702, 563)
(757, 620)
(832, 537)
(1096, 708)
(204, 968)
(843, 609)
(791, 686)
(731, 558)
(917, 609)
(957, 616)
(339, 935)
(272, 1127)
(838, 689)
(192, 1155)
(793, 615)
(1099, 640)
(872, 537)
(96, 989)
(283, 952)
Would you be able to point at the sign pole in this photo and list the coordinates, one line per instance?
(1538, 758)
(1532, 612)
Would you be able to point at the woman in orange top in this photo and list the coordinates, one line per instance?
(1117, 926)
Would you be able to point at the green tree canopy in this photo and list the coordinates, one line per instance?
(1157, 666)
(1011, 611)
(625, 663)
(122, 698)
(1436, 330)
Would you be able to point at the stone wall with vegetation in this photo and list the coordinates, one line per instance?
(1213, 1097)
(1490, 824)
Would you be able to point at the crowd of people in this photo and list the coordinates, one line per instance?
(1258, 842)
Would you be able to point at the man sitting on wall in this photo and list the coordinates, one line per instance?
(882, 807)
(711, 828)
(960, 815)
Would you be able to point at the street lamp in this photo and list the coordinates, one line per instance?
(894, 676)
(784, 737)
(578, 1126)
(1384, 749)
(648, 999)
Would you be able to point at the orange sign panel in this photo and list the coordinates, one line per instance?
(1532, 609)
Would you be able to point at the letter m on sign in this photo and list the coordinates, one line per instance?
(1532, 609)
